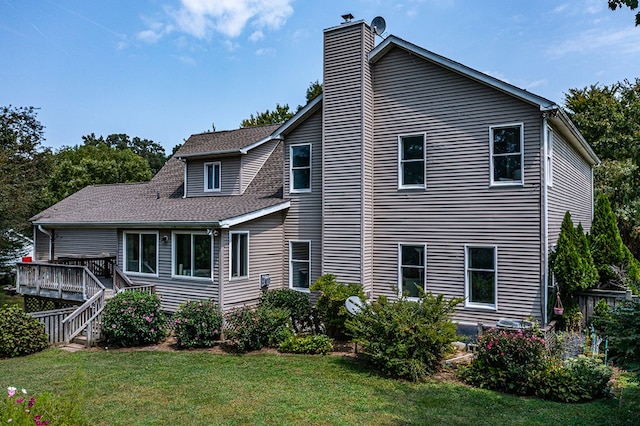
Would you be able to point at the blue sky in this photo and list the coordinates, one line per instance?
(164, 69)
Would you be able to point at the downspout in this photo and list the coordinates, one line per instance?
(545, 220)
(51, 243)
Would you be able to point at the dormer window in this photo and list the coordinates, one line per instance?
(212, 177)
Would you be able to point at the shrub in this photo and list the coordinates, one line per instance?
(20, 333)
(605, 241)
(623, 329)
(330, 306)
(575, 380)
(312, 344)
(249, 328)
(197, 324)
(295, 302)
(134, 318)
(507, 361)
(405, 339)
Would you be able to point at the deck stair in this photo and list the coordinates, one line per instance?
(73, 283)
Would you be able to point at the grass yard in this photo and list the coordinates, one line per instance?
(201, 388)
(6, 300)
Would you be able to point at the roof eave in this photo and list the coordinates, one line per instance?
(562, 120)
(298, 118)
(233, 221)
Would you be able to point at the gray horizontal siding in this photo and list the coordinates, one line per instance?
(265, 257)
(304, 218)
(230, 177)
(572, 188)
(458, 206)
(174, 291)
(253, 161)
(41, 246)
(86, 242)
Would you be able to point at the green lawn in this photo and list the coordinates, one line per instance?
(158, 388)
(6, 300)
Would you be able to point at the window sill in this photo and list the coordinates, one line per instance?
(190, 278)
(300, 191)
(479, 307)
(243, 278)
(141, 274)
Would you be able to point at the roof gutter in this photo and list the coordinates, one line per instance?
(228, 223)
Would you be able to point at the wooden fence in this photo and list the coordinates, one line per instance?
(52, 321)
(588, 300)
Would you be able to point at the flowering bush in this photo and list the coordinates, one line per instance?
(20, 408)
(312, 344)
(197, 324)
(134, 318)
(20, 333)
(249, 328)
(508, 361)
(404, 338)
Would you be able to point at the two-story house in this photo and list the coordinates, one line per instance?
(410, 171)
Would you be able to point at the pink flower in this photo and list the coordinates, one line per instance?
(11, 391)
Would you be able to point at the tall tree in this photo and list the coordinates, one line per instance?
(282, 112)
(151, 151)
(24, 168)
(631, 4)
(609, 119)
(89, 164)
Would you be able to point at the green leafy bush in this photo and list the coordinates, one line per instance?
(330, 306)
(404, 338)
(296, 302)
(507, 361)
(20, 333)
(623, 329)
(575, 380)
(248, 328)
(311, 344)
(134, 318)
(197, 324)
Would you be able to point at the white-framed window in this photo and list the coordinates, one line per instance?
(412, 268)
(507, 154)
(549, 163)
(238, 254)
(481, 276)
(192, 254)
(141, 252)
(300, 168)
(299, 264)
(412, 161)
(212, 176)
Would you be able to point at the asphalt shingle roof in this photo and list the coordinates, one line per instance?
(159, 202)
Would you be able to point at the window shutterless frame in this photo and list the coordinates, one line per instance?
(238, 255)
(140, 252)
(212, 176)
(412, 161)
(412, 269)
(481, 276)
(300, 170)
(300, 264)
(506, 153)
(191, 255)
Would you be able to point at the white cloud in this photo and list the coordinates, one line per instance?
(623, 41)
(203, 18)
(149, 36)
(268, 51)
(256, 36)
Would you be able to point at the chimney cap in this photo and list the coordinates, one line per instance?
(347, 17)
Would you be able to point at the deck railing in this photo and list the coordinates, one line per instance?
(86, 317)
(69, 282)
(52, 321)
(120, 280)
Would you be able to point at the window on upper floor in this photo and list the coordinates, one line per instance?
(412, 161)
(507, 154)
(239, 254)
(141, 252)
(299, 264)
(212, 176)
(300, 173)
(412, 269)
(192, 255)
(481, 276)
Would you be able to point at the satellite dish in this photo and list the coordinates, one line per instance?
(379, 25)
(353, 304)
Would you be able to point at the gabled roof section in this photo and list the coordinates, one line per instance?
(558, 116)
(299, 117)
(227, 142)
